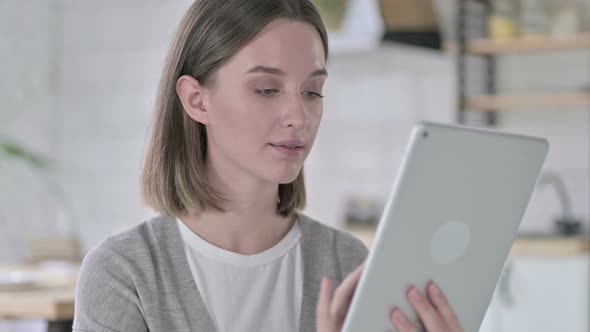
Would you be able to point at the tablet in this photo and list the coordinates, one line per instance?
(451, 217)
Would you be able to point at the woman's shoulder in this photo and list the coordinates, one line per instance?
(134, 247)
(322, 235)
(116, 274)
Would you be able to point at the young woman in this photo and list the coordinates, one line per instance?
(239, 106)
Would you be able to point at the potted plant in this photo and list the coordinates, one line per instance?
(44, 248)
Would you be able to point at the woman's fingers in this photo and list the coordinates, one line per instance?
(441, 303)
(433, 309)
(401, 322)
(333, 305)
(343, 294)
(428, 314)
(325, 297)
(323, 310)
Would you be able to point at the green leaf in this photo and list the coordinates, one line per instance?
(13, 150)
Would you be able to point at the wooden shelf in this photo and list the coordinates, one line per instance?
(528, 44)
(528, 101)
(523, 44)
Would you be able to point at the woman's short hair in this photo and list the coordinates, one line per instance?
(174, 180)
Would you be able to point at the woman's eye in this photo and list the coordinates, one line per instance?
(266, 92)
(312, 95)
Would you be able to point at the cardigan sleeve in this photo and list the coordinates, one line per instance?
(106, 299)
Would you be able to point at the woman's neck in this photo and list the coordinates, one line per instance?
(250, 223)
(243, 233)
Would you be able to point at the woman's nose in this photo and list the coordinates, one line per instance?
(295, 113)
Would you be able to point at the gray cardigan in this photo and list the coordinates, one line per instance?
(140, 280)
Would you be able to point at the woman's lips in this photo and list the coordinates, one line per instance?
(288, 150)
(290, 143)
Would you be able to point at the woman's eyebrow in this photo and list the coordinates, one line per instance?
(267, 70)
(279, 72)
(319, 72)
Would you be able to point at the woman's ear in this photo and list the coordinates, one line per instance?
(191, 94)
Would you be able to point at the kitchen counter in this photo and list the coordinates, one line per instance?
(525, 244)
(551, 245)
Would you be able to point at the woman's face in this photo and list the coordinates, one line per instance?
(264, 106)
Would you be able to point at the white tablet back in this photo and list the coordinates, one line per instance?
(452, 216)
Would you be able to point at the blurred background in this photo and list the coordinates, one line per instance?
(78, 81)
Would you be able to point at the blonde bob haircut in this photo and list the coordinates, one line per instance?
(174, 180)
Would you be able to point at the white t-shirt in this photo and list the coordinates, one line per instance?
(260, 292)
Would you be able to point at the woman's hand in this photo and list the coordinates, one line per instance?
(332, 308)
(434, 311)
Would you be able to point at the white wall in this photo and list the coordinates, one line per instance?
(78, 84)
(112, 53)
(28, 64)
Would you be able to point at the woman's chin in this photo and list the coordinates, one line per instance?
(286, 176)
